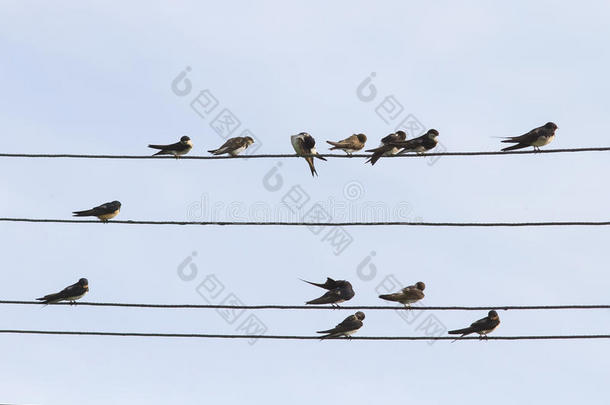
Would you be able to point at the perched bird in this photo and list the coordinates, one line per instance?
(407, 295)
(350, 144)
(483, 326)
(537, 137)
(71, 293)
(338, 291)
(103, 212)
(234, 146)
(177, 149)
(420, 144)
(349, 326)
(387, 147)
(304, 145)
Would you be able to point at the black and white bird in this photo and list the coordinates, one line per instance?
(177, 149)
(349, 326)
(304, 145)
(407, 295)
(387, 147)
(537, 137)
(103, 212)
(70, 293)
(483, 326)
(420, 144)
(338, 291)
(234, 146)
(350, 144)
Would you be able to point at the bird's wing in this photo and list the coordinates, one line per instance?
(164, 147)
(349, 324)
(330, 297)
(70, 291)
(525, 138)
(329, 284)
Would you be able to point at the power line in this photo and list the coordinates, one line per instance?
(285, 223)
(306, 307)
(286, 155)
(291, 337)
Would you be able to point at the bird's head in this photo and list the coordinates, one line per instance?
(361, 138)
(402, 135)
(185, 139)
(420, 285)
(551, 125)
(359, 315)
(492, 314)
(249, 140)
(432, 133)
(308, 141)
(117, 204)
(83, 282)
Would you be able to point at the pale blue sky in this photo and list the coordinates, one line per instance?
(97, 78)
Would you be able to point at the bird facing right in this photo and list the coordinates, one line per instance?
(387, 147)
(348, 327)
(537, 137)
(70, 293)
(350, 144)
(483, 326)
(234, 146)
(407, 295)
(103, 212)
(182, 147)
(338, 291)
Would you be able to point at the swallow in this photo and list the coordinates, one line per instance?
(103, 212)
(537, 137)
(349, 326)
(338, 291)
(407, 295)
(71, 293)
(177, 149)
(234, 146)
(420, 144)
(350, 144)
(305, 145)
(483, 326)
(387, 148)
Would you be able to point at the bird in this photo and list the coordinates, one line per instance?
(338, 291)
(305, 145)
(234, 146)
(70, 293)
(537, 137)
(387, 148)
(349, 326)
(420, 144)
(103, 212)
(483, 326)
(177, 149)
(407, 295)
(350, 144)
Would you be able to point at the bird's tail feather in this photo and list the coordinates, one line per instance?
(311, 166)
(86, 213)
(389, 297)
(513, 147)
(321, 300)
(462, 332)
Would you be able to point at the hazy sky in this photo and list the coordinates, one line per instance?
(98, 78)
